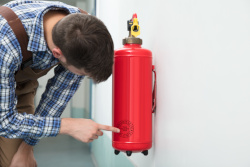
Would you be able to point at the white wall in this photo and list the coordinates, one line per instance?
(102, 103)
(201, 53)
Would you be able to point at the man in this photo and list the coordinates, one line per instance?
(58, 35)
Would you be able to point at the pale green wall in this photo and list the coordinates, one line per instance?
(104, 156)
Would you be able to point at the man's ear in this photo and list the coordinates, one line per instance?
(57, 53)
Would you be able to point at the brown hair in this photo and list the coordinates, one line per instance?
(86, 44)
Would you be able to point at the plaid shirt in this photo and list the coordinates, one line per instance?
(59, 89)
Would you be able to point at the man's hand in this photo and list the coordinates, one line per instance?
(84, 130)
(24, 157)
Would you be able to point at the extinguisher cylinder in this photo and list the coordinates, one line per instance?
(132, 98)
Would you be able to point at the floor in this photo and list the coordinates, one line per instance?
(62, 151)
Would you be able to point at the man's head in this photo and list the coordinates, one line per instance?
(86, 45)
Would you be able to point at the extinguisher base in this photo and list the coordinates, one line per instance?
(117, 152)
(129, 153)
(145, 152)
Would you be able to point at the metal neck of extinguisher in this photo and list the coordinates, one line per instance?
(154, 91)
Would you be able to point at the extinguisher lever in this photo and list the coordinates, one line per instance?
(154, 91)
(133, 26)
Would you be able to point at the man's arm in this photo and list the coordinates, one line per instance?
(84, 130)
(13, 124)
(58, 92)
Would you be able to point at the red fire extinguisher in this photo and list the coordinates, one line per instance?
(133, 99)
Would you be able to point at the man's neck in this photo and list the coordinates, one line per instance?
(49, 21)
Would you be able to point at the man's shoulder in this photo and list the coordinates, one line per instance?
(22, 6)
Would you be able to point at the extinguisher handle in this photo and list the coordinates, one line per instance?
(154, 91)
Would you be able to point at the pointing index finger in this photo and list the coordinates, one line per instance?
(108, 128)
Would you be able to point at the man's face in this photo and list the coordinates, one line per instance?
(71, 68)
(57, 53)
